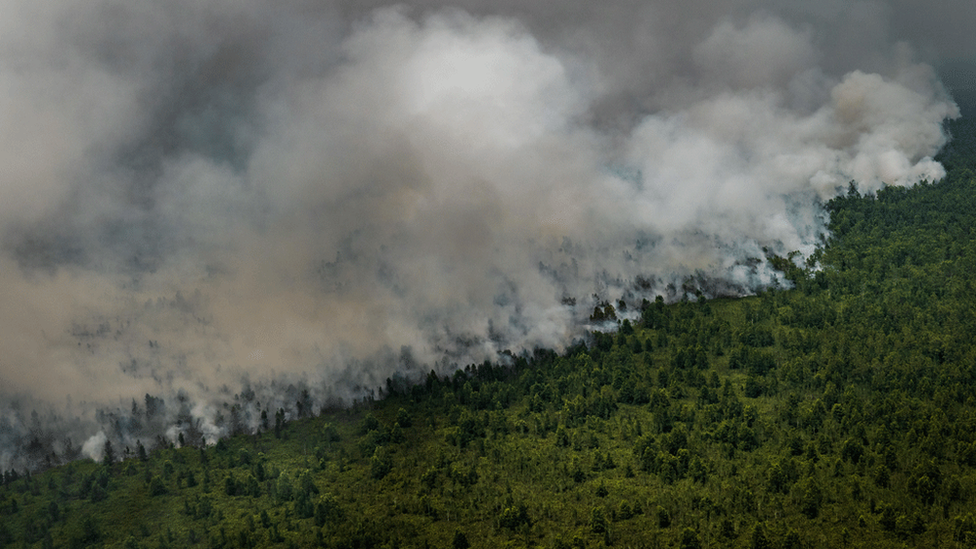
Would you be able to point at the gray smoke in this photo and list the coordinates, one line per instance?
(212, 209)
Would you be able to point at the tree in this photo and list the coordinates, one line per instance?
(285, 488)
(98, 493)
(460, 540)
(403, 418)
(331, 434)
(90, 532)
(156, 486)
(882, 476)
(663, 517)
(514, 516)
(811, 498)
(108, 453)
(327, 510)
(279, 422)
(598, 521)
(369, 423)
(727, 530)
(396, 434)
(690, 539)
(381, 463)
(759, 539)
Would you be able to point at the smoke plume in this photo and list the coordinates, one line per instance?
(210, 209)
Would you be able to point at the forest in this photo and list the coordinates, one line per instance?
(838, 412)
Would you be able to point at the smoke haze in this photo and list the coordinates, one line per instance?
(234, 202)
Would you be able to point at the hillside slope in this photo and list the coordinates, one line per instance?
(839, 413)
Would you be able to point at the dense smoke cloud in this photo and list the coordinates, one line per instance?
(283, 204)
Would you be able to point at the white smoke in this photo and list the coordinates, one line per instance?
(94, 447)
(207, 199)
